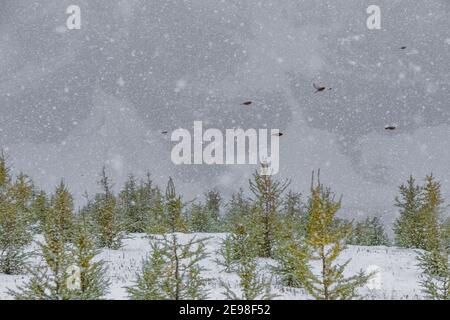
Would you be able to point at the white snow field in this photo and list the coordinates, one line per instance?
(398, 276)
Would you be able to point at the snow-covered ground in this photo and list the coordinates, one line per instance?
(398, 273)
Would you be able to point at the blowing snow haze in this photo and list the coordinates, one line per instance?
(74, 100)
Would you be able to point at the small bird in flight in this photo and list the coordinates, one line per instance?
(403, 48)
(319, 88)
(279, 134)
(390, 127)
(247, 103)
(164, 132)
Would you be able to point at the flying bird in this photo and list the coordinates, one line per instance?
(247, 103)
(279, 134)
(390, 127)
(164, 132)
(403, 48)
(319, 88)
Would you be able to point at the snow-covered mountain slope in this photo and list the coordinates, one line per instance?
(398, 274)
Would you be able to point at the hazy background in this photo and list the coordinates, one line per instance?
(72, 101)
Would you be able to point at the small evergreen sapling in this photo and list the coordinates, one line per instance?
(292, 265)
(325, 241)
(420, 209)
(252, 284)
(235, 247)
(15, 232)
(369, 233)
(93, 284)
(266, 220)
(172, 271)
(174, 210)
(49, 280)
(435, 274)
(106, 217)
(199, 218)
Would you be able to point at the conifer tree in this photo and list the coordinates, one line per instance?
(174, 210)
(212, 206)
(325, 241)
(49, 280)
(252, 284)
(429, 237)
(235, 247)
(445, 233)
(15, 232)
(409, 203)
(370, 232)
(199, 218)
(93, 284)
(293, 218)
(39, 208)
(266, 215)
(238, 211)
(135, 202)
(61, 212)
(128, 204)
(435, 278)
(292, 257)
(172, 272)
(157, 221)
(5, 177)
(420, 208)
(106, 217)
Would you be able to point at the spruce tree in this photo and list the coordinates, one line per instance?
(293, 217)
(370, 232)
(409, 204)
(420, 208)
(39, 208)
(135, 203)
(174, 210)
(61, 212)
(326, 241)
(172, 272)
(238, 211)
(212, 206)
(157, 216)
(128, 204)
(106, 217)
(199, 218)
(435, 278)
(266, 220)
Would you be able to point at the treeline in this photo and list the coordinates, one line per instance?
(273, 222)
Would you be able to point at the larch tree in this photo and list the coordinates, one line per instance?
(49, 280)
(90, 281)
(172, 271)
(15, 230)
(326, 240)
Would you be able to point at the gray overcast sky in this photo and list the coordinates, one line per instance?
(72, 101)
